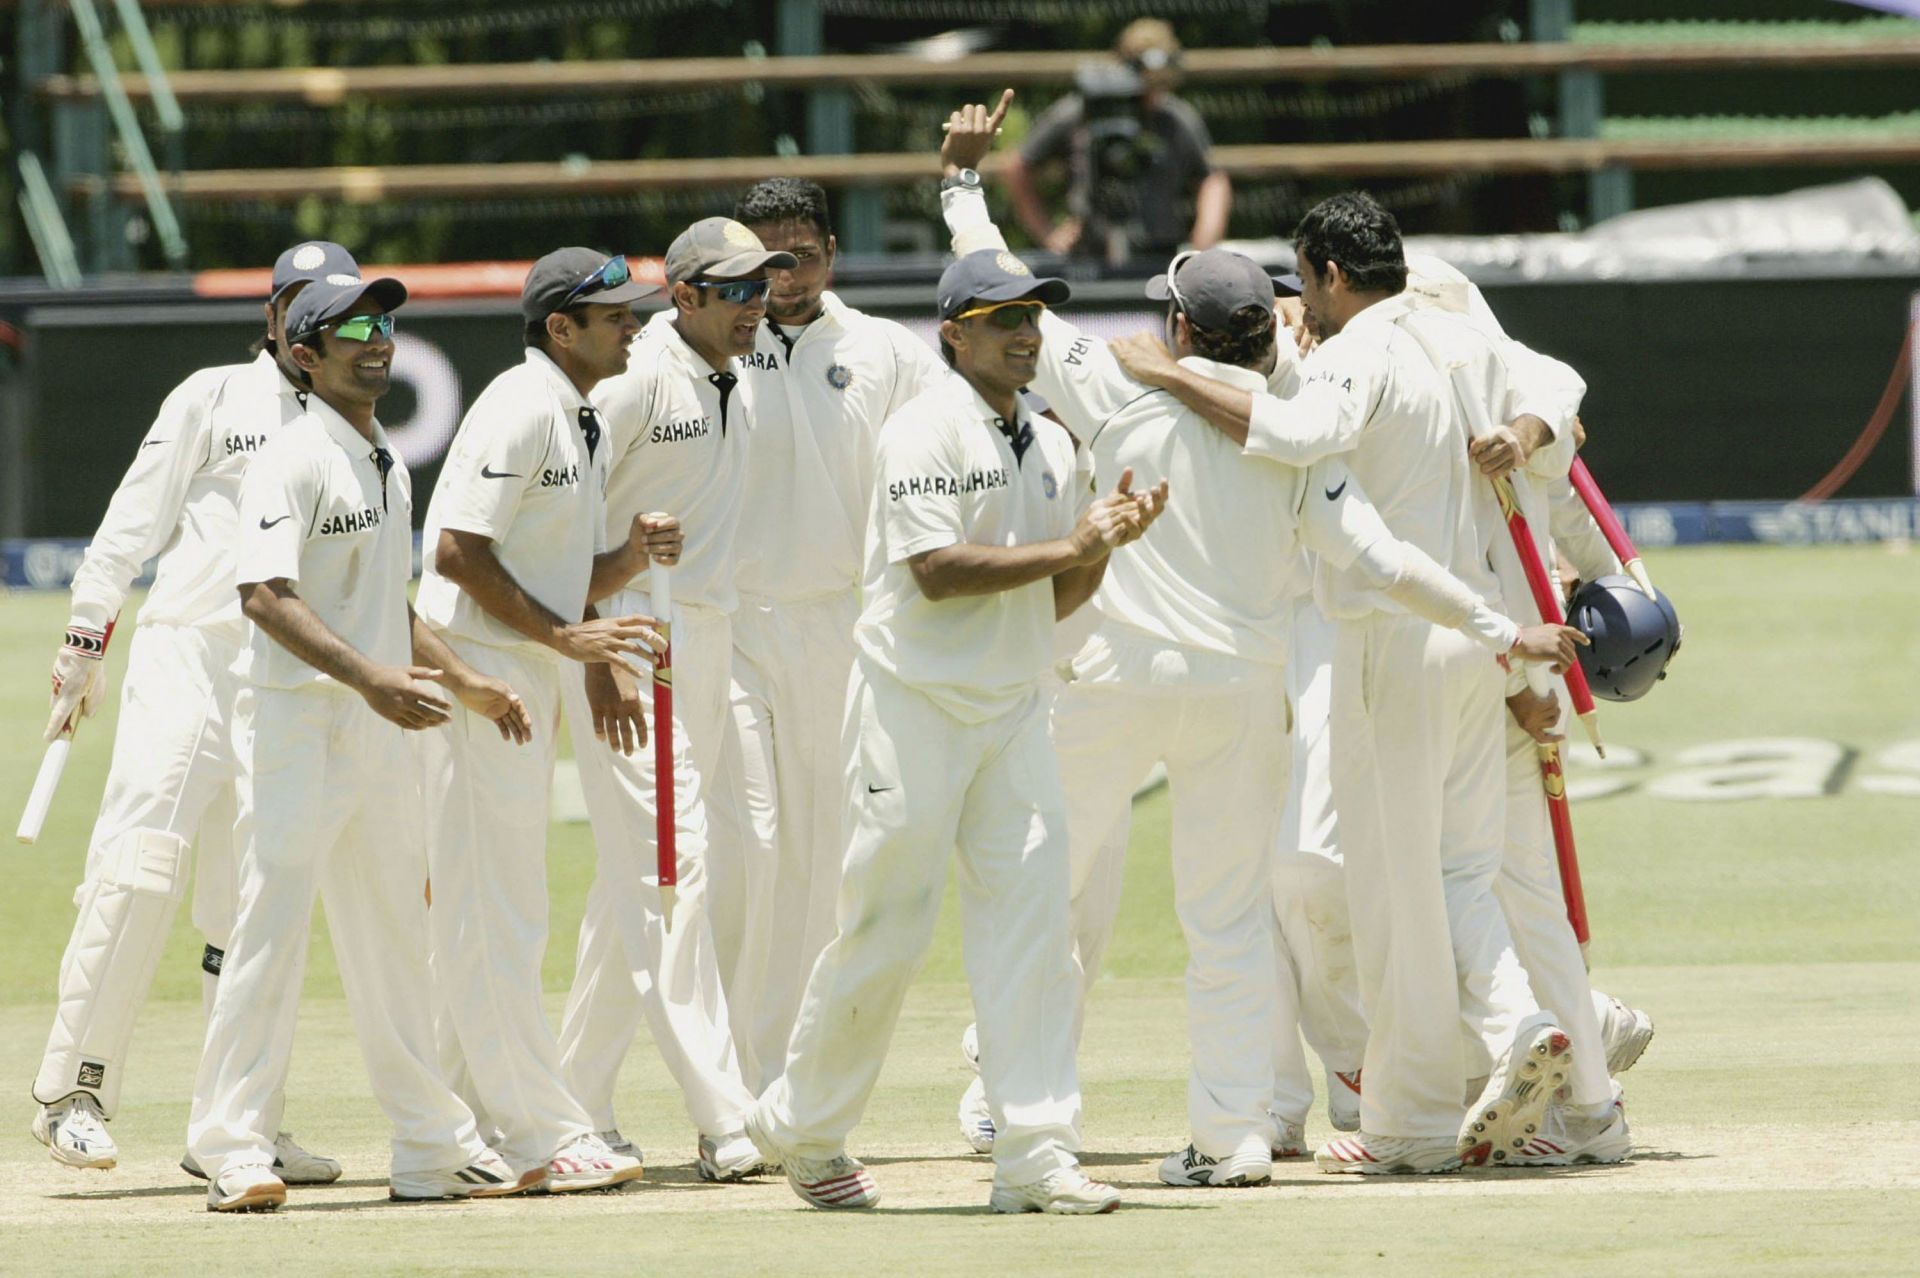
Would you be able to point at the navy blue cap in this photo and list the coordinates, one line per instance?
(333, 297)
(305, 263)
(993, 275)
(1211, 285)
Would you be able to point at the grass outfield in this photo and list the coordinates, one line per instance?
(1777, 1115)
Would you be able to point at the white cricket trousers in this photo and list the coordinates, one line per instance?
(926, 784)
(1528, 889)
(670, 975)
(1319, 990)
(487, 802)
(1220, 726)
(1420, 785)
(605, 1005)
(791, 663)
(329, 805)
(170, 786)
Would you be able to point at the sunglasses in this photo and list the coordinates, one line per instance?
(738, 292)
(361, 328)
(611, 273)
(1007, 316)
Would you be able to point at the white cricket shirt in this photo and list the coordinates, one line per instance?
(315, 511)
(819, 400)
(678, 450)
(520, 474)
(178, 499)
(946, 474)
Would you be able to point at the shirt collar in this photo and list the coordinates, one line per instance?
(692, 359)
(268, 370)
(570, 397)
(340, 430)
(984, 411)
(1231, 374)
(1385, 311)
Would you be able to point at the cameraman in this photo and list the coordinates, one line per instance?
(1134, 153)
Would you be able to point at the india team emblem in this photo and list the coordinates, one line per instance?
(308, 256)
(1011, 264)
(1049, 485)
(839, 377)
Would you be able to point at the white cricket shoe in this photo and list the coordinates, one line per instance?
(836, 1184)
(732, 1158)
(976, 1120)
(247, 1187)
(1566, 1138)
(1066, 1192)
(75, 1132)
(1514, 1102)
(1387, 1156)
(587, 1163)
(487, 1176)
(1191, 1169)
(1289, 1140)
(1343, 1100)
(292, 1164)
(619, 1144)
(970, 1048)
(1624, 1032)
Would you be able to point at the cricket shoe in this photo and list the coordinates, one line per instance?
(75, 1133)
(1343, 1100)
(1624, 1032)
(1387, 1156)
(1289, 1140)
(976, 1120)
(1191, 1169)
(587, 1163)
(292, 1164)
(487, 1176)
(1066, 1192)
(733, 1158)
(1566, 1138)
(837, 1184)
(970, 1047)
(247, 1187)
(619, 1144)
(1514, 1103)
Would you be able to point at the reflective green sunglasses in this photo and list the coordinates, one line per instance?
(611, 273)
(361, 328)
(737, 292)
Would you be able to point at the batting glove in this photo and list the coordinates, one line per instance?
(79, 677)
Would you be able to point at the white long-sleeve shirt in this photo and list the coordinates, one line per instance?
(179, 499)
(819, 400)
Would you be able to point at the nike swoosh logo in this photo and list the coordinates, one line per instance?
(151, 442)
(1333, 494)
(488, 472)
(264, 523)
(881, 789)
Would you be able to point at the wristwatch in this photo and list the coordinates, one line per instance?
(964, 180)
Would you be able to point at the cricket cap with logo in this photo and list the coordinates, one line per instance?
(721, 248)
(335, 297)
(1211, 285)
(993, 275)
(313, 260)
(554, 283)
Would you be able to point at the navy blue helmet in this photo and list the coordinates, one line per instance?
(1632, 637)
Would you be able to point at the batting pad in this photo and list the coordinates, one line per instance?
(126, 910)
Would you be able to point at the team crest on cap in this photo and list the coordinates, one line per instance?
(735, 233)
(1049, 485)
(840, 377)
(343, 281)
(308, 256)
(1011, 264)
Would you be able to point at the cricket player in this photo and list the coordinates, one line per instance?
(1431, 945)
(336, 672)
(171, 781)
(677, 429)
(1187, 665)
(515, 548)
(984, 531)
(824, 378)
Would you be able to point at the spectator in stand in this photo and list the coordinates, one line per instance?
(1134, 152)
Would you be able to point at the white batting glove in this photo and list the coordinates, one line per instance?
(79, 677)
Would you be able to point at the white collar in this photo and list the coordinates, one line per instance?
(1231, 374)
(570, 397)
(342, 431)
